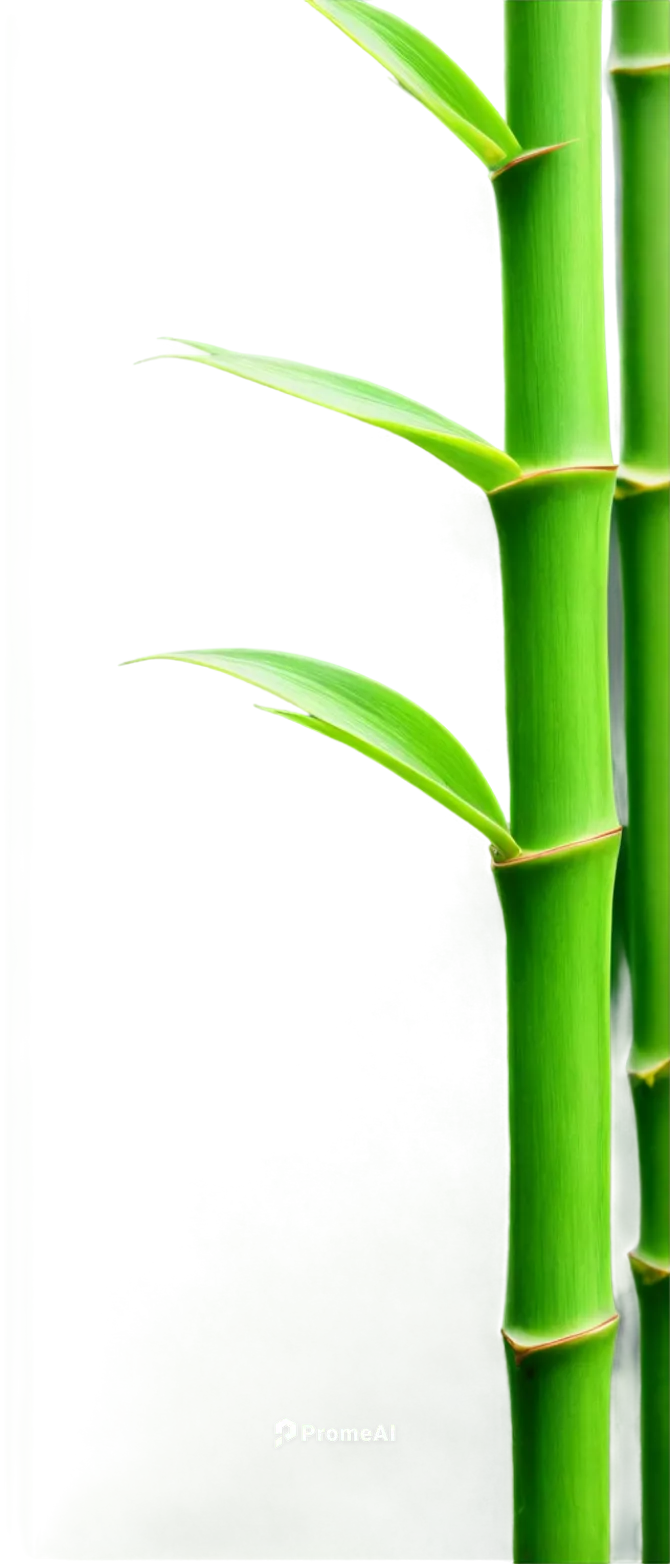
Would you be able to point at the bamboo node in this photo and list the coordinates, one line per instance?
(527, 157)
(632, 481)
(522, 1349)
(649, 1074)
(536, 474)
(561, 847)
(640, 65)
(649, 1273)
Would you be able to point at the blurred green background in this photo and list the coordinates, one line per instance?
(227, 1237)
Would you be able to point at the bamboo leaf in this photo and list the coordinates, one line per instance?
(478, 461)
(374, 720)
(428, 74)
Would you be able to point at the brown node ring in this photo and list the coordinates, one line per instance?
(527, 157)
(521, 1350)
(561, 847)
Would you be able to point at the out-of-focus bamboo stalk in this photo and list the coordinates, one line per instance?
(640, 75)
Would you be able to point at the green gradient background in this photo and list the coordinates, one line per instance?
(212, 893)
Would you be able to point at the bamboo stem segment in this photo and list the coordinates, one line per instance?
(553, 530)
(640, 76)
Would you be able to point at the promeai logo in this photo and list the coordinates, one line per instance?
(309, 1432)
(284, 1431)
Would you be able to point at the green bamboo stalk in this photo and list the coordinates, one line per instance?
(640, 77)
(560, 1320)
(551, 495)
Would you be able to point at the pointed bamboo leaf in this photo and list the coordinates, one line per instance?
(428, 74)
(362, 751)
(374, 720)
(478, 461)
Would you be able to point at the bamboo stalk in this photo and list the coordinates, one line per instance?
(551, 495)
(639, 66)
(560, 1320)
